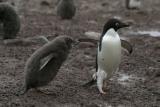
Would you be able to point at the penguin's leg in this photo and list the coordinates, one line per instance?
(107, 79)
(100, 84)
(101, 75)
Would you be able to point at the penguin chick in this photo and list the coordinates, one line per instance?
(39, 72)
(66, 9)
(108, 53)
(10, 21)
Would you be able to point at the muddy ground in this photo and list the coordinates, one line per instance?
(137, 84)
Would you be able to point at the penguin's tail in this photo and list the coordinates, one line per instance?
(90, 83)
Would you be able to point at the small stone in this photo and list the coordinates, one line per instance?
(104, 4)
(1, 0)
(45, 3)
(26, 41)
(133, 4)
(39, 39)
(157, 74)
(92, 35)
(13, 42)
(93, 105)
(92, 22)
(131, 22)
(86, 45)
(118, 17)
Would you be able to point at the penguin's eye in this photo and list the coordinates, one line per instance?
(117, 24)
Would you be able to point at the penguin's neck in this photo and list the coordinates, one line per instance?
(111, 32)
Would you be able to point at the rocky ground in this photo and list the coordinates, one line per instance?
(137, 84)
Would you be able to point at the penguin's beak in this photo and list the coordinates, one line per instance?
(122, 25)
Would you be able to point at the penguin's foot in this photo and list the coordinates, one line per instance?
(101, 76)
(44, 92)
(100, 85)
(102, 92)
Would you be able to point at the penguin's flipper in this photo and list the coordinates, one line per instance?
(90, 83)
(126, 45)
(46, 60)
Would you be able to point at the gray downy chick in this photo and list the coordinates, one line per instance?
(10, 21)
(39, 73)
(66, 9)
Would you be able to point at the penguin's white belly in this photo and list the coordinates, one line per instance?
(110, 55)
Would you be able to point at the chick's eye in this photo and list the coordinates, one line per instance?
(69, 40)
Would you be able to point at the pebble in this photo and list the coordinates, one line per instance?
(133, 4)
(86, 45)
(26, 41)
(92, 35)
(45, 3)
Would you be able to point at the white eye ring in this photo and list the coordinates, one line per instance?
(117, 24)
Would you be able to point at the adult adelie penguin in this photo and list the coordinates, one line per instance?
(39, 72)
(108, 53)
(66, 9)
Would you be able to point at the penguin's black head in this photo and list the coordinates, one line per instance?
(115, 24)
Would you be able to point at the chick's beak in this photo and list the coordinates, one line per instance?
(75, 42)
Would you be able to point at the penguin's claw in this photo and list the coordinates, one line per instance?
(103, 92)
